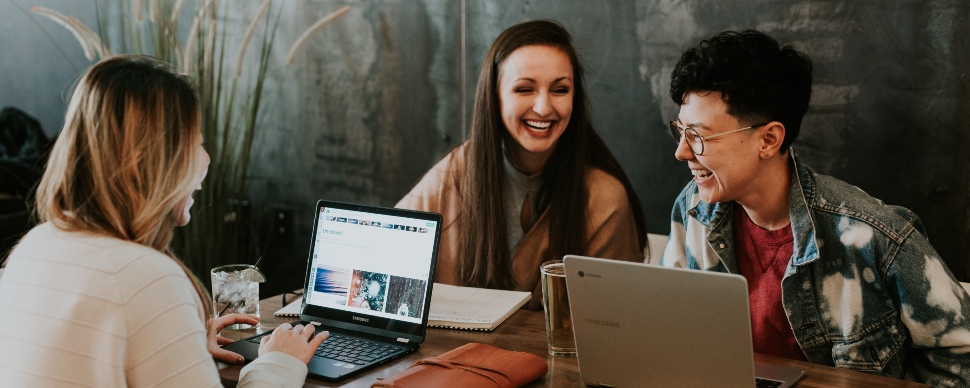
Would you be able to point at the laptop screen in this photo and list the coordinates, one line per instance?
(372, 267)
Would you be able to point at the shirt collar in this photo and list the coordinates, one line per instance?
(801, 192)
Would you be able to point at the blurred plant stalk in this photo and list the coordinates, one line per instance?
(221, 231)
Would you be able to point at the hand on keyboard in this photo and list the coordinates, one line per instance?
(296, 341)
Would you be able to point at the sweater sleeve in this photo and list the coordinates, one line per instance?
(424, 195)
(611, 226)
(166, 336)
(167, 339)
(427, 194)
(274, 369)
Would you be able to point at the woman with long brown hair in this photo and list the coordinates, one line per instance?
(534, 181)
(93, 295)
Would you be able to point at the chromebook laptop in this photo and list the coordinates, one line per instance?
(642, 325)
(368, 282)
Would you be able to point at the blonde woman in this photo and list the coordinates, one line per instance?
(93, 296)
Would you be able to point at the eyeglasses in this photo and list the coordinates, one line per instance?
(696, 141)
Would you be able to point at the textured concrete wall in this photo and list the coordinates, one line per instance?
(378, 97)
(368, 107)
(39, 60)
(889, 111)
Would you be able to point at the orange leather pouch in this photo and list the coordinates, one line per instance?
(472, 365)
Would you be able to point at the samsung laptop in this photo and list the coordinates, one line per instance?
(368, 282)
(642, 325)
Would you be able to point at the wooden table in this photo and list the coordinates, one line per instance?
(525, 331)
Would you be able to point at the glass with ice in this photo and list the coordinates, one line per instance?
(235, 289)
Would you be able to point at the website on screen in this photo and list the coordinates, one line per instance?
(371, 263)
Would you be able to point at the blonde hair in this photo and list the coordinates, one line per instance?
(122, 162)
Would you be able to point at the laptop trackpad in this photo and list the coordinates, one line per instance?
(330, 369)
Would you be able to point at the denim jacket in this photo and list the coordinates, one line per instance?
(864, 289)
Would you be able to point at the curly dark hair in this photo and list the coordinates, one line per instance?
(758, 79)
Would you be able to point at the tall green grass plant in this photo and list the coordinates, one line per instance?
(221, 231)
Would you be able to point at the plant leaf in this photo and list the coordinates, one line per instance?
(249, 36)
(301, 41)
(193, 37)
(87, 39)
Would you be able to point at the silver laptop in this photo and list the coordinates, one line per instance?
(642, 325)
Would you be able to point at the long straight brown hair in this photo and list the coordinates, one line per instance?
(484, 258)
(121, 163)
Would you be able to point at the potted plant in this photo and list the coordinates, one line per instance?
(221, 231)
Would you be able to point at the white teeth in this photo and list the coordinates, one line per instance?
(538, 125)
(701, 173)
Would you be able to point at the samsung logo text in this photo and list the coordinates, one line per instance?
(601, 322)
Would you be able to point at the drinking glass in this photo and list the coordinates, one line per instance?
(555, 302)
(232, 293)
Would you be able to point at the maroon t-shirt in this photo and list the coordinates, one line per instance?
(762, 257)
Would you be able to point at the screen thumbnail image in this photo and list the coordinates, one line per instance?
(334, 282)
(367, 290)
(405, 296)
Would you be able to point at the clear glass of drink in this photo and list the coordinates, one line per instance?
(234, 292)
(555, 302)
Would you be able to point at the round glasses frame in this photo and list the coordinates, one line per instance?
(694, 140)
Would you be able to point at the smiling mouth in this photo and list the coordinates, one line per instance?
(701, 174)
(538, 126)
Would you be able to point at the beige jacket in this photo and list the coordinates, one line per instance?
(611, 229)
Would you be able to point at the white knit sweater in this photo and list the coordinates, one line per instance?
(80, 309)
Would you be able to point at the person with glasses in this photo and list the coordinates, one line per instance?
(835, 276)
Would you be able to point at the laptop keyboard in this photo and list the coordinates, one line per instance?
(349, 349)
(765, 383)
(355, 350)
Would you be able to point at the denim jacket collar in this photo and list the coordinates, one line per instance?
(864, 289)
(801, 192)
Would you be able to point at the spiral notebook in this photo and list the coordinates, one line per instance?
(470, 308)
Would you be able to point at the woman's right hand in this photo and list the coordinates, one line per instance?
(296, 341)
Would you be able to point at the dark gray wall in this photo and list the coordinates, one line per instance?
(889, 111)
(371, 103)
(379, 96)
